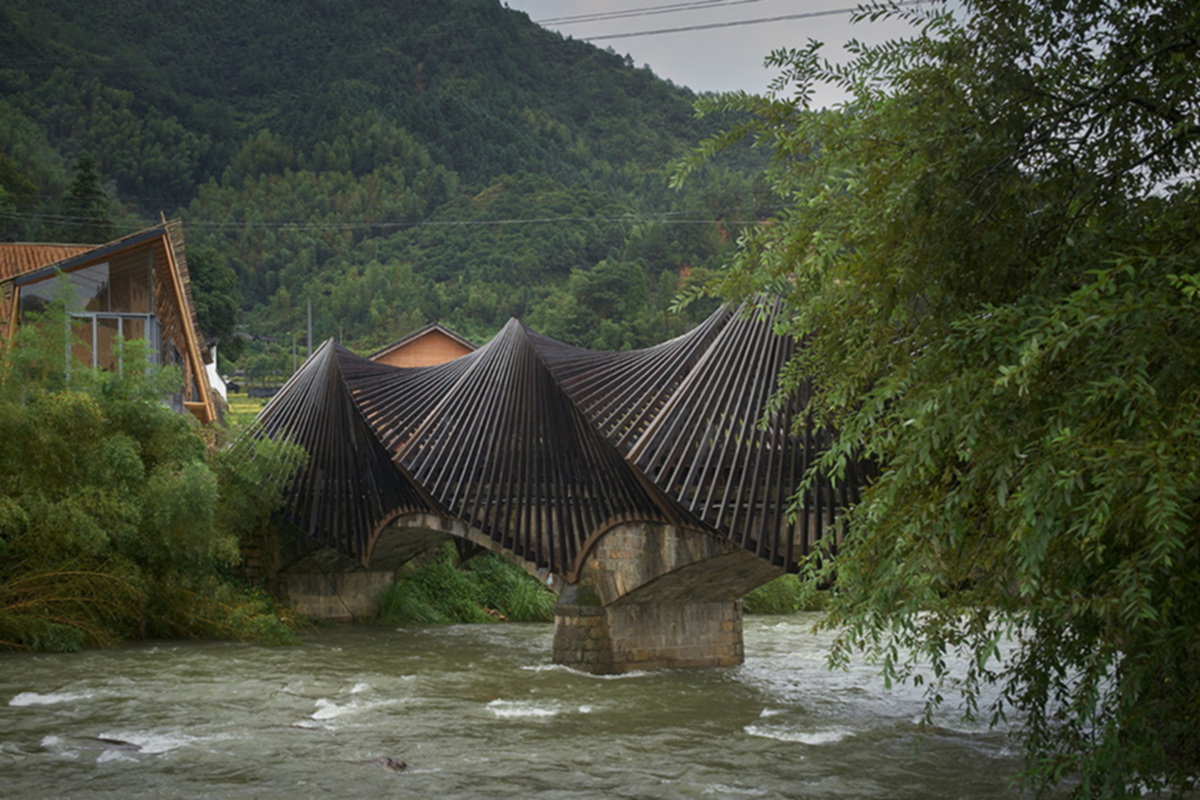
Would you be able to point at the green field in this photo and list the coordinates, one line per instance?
(242, 409)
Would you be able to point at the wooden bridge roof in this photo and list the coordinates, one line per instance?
(542, 446)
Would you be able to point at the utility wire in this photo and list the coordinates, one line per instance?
(29, 65)
(673, 8)
(663, 218)
(733, 24)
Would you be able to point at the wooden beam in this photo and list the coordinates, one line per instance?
(185, 320)
(541, 447)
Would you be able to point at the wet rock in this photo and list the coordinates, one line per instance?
(383, 762)
(109, 744)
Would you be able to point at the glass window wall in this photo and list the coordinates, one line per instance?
(106, 300)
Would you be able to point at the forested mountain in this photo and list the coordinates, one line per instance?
(396, 163)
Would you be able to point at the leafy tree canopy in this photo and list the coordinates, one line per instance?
(17, 194)
(991, 254)
(217, 298)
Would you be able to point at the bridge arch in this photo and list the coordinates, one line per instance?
(569, 460)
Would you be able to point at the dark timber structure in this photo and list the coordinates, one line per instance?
(650, 488)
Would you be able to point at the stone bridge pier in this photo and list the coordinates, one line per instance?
(653, 596)
(645, 595)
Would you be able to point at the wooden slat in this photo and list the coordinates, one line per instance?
(350, 484)
(540, 445)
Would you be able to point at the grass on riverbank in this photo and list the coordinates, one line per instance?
(784, 595)
(481, 589)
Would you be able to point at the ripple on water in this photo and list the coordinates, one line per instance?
(35, 699)
(56, 745)
(156, 742)
(621, 676)
(329, 709)
(785, 733)
(522, 709)
(725, 790)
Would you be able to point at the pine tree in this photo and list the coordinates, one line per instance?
(85, 217)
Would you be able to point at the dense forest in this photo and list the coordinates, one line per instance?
(393, 163)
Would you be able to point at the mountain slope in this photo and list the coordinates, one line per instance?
(478, 157)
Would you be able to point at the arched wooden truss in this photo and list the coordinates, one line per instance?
(541, 446)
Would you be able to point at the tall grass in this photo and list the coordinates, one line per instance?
(784, 595)
(68, 608)
(443, 590)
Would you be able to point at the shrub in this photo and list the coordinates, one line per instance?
(110, 506)
(441, 589)
(784, 595)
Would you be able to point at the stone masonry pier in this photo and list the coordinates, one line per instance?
(652, 596)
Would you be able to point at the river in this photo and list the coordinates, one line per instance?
(476, 711)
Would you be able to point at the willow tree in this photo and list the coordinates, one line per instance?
(991, 256)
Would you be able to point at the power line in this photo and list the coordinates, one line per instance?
(663, 218)
(673, 8)
(29, 65)
(736, 23)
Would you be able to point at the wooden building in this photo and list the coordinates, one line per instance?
(136, 287)
(433, 344)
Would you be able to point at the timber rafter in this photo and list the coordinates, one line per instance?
(542, 446)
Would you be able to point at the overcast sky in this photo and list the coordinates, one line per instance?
(716, 59)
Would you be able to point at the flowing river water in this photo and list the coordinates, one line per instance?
(475, 711)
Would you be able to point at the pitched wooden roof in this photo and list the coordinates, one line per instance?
(26, 262)
(415, 335)
(18, 258)
(27, 258)
(541, 446)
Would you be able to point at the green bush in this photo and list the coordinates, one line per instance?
(784, 595)
(440, 589)
(114, 517)
(510, 590)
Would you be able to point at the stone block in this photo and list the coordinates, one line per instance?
(644, 636)
(335, 596)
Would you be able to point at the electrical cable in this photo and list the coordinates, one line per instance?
(24, 65)
(662, 218)
(672, 8)
(730, 24)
